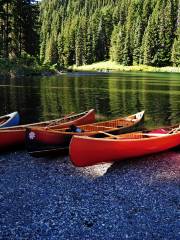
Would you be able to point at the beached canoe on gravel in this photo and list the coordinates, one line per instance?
(15, 136)
(40, 141)
(86, 151)
(9, 120)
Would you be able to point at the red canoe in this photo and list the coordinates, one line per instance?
(40, 141)
(86, 151)
(15, 136)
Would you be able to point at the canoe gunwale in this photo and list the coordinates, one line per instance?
(24, 126)
(121, 139)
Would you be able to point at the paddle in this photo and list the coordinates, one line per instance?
(56, 121)
(109, 135)
(175, 130)
(155, 134)
(146, 134)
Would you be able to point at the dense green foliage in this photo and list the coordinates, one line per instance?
(80, 32)
(127, 31)
(19, 30)
(25, 65)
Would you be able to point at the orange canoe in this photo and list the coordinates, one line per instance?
(15, 136)
(40, 141)
(86, 151)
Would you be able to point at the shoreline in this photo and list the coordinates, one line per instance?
(108, 66)
(101, 67)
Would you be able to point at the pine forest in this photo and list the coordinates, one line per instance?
(68, 32)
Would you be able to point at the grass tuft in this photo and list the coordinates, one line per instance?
(113, 66)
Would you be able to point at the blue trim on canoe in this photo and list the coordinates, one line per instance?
(14, 119)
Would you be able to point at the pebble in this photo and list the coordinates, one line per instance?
(51, 199)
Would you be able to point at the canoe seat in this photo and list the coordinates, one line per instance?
(90, 128)
(137, 135)
(116, 123)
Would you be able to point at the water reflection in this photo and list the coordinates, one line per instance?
(111, 94)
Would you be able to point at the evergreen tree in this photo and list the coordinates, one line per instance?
(51, 51)
(127, 31)
(6, 26)
(176, 45)
(114, 43)
(118, 44)
(101, 40)
(2, 29)
(128, 45)
(176, 51)
(19, 27)
(30, 27)
(138, 34)
(89, 45)
(79, 47)
(127, 51)
(157, 49)
(61, 51)
(166, 34)
(151, 38)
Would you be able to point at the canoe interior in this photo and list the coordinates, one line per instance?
(101, 126)
(3, 120)
(137, 135)
(140, 134)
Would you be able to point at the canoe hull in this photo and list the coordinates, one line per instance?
(86, 151)
(11, 139)
(15, 136)
(40, 142)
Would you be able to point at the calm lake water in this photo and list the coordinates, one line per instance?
(111, 94)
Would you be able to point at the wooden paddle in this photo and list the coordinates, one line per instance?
(109, 135)
(155, 134)
(175, 130)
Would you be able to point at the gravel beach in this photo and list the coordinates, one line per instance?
(51, 199)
